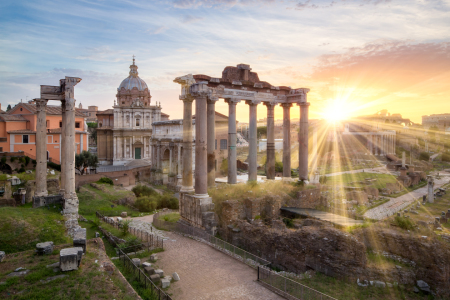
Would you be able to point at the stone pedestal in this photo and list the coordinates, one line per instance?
(198, 212)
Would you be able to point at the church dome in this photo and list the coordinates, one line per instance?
(133, 80)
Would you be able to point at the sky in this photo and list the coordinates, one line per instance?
(356, 56)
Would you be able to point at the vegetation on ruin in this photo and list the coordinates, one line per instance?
(172, 217)
(22, 227)
(357, 180)
(88, 282)
(149, 200)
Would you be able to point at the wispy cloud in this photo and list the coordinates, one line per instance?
(190, 19)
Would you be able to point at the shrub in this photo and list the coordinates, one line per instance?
(146, 204)
(143, 190)
(3, 160)
(27, 160)
(289, 222)
(125, 227)
(52, 165)
(33, 161)
(13, 158)
(151, 203)
(106, 180)
(424, 156)
(257, 217)
(446, 157)
(323, 179)
(278, 166)
(21, 170)
(404, 223)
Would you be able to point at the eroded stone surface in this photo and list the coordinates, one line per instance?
(70, 258)
(44, 248)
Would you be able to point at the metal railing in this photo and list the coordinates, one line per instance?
(284, 286)
(288, 288)
(150, 240)
(137, 274)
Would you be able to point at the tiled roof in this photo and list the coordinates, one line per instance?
(106, 112)
(51, 109)
(7, 117)
(21, 131)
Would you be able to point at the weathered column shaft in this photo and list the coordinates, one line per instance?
(62, 144)
(158, 156)
(201, 170)
(270, 164)
(69, 121)
(41, 148)
(179, 161)
(303, 143)
(187, 146)
(232, 167)
(211, 128)
(252, 147)
(286, 140)
(170, 160)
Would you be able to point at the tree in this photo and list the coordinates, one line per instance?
(445, 156)
(8, 108)
(85, 159)
(424, 156)
(261, 131)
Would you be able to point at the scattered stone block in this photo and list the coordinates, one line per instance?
(159, 272)
(97, 234)
(70, 258)
(165, 283)
(114, 258)
(136, 261)
(18, 273)
(377, 283)
(423, 286)
(153, 257)
(416, 290)
(44, 248)
(79, 238)
(149, 271)
(54, 265)
(175, 276)
(52, 278)
(146, 264)
(119, 219)
(123, 214)
(2, 255)
(155, 278)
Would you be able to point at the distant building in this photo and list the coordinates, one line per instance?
(442, 121)
(124, 132)
(18, 131)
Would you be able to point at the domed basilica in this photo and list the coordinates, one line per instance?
(124, 132)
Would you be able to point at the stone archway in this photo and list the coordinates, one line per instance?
(165, 161)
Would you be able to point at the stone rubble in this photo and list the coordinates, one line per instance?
(136, 261)
(175, 276)
(70, 258)
(52, 278)
(45, 248)
(2, 255)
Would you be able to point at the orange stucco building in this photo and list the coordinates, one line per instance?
(18, 131)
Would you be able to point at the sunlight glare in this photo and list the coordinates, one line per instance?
(336, 110)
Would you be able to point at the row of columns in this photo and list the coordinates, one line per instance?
(381, 144)
(205, 141)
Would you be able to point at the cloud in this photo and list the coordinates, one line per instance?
(157, 30)
(190, 19)
(186, 4)
(314, 4)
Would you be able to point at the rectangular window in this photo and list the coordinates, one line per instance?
(77, 124)
(89, 114)
(223, 144)
(60, 124)
(25, 139)
(215, 144)
(137, 122)
(47, 123)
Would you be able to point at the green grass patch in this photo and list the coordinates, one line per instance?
(172, 217)
(22, 227)
(357, 179)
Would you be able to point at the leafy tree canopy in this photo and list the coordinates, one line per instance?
(84, 160)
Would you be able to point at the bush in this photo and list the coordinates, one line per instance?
(424, 156)
(146, 204)
(278, 166)
(404, 223)
(21, 170)
(105, 180)
(143, 190)
(3, 160)
(27, 160)
(151, 203)
(446, 157)
(52, 165)
(13, 158)
(289, 222)
(125, 227)
(323, 179)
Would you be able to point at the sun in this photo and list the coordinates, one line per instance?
(336, 110)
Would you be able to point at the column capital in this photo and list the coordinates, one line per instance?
(232, 101)
(186, 98)
(304, 104)
(252, 102)
(212, 99)
(199, 90)
(270, 104)
(41, 104)
(288, 105)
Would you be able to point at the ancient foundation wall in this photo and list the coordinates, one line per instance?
(53, 188)
(310, 198)
(198, 212)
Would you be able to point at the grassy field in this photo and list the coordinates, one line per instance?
(90, 281)
(21, 228)
(347, 179)
(172, 217)
(92, 200)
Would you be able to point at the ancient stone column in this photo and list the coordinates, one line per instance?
(179, 167)
(170, 159)
(70, 196)
(158, 155)
(303, 143)
(252, 147)
(430, 189)
(232, 166)
(41, 148)
(62, 144)
(270, 163)
(187, 146)
(211, 128)
(200, 92)
(287, 141)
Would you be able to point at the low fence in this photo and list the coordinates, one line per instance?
(150, 240)
(138, 275)
(283, 286)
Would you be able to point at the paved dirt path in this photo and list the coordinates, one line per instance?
(206, 273)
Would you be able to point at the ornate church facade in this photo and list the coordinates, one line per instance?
(124, 132)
